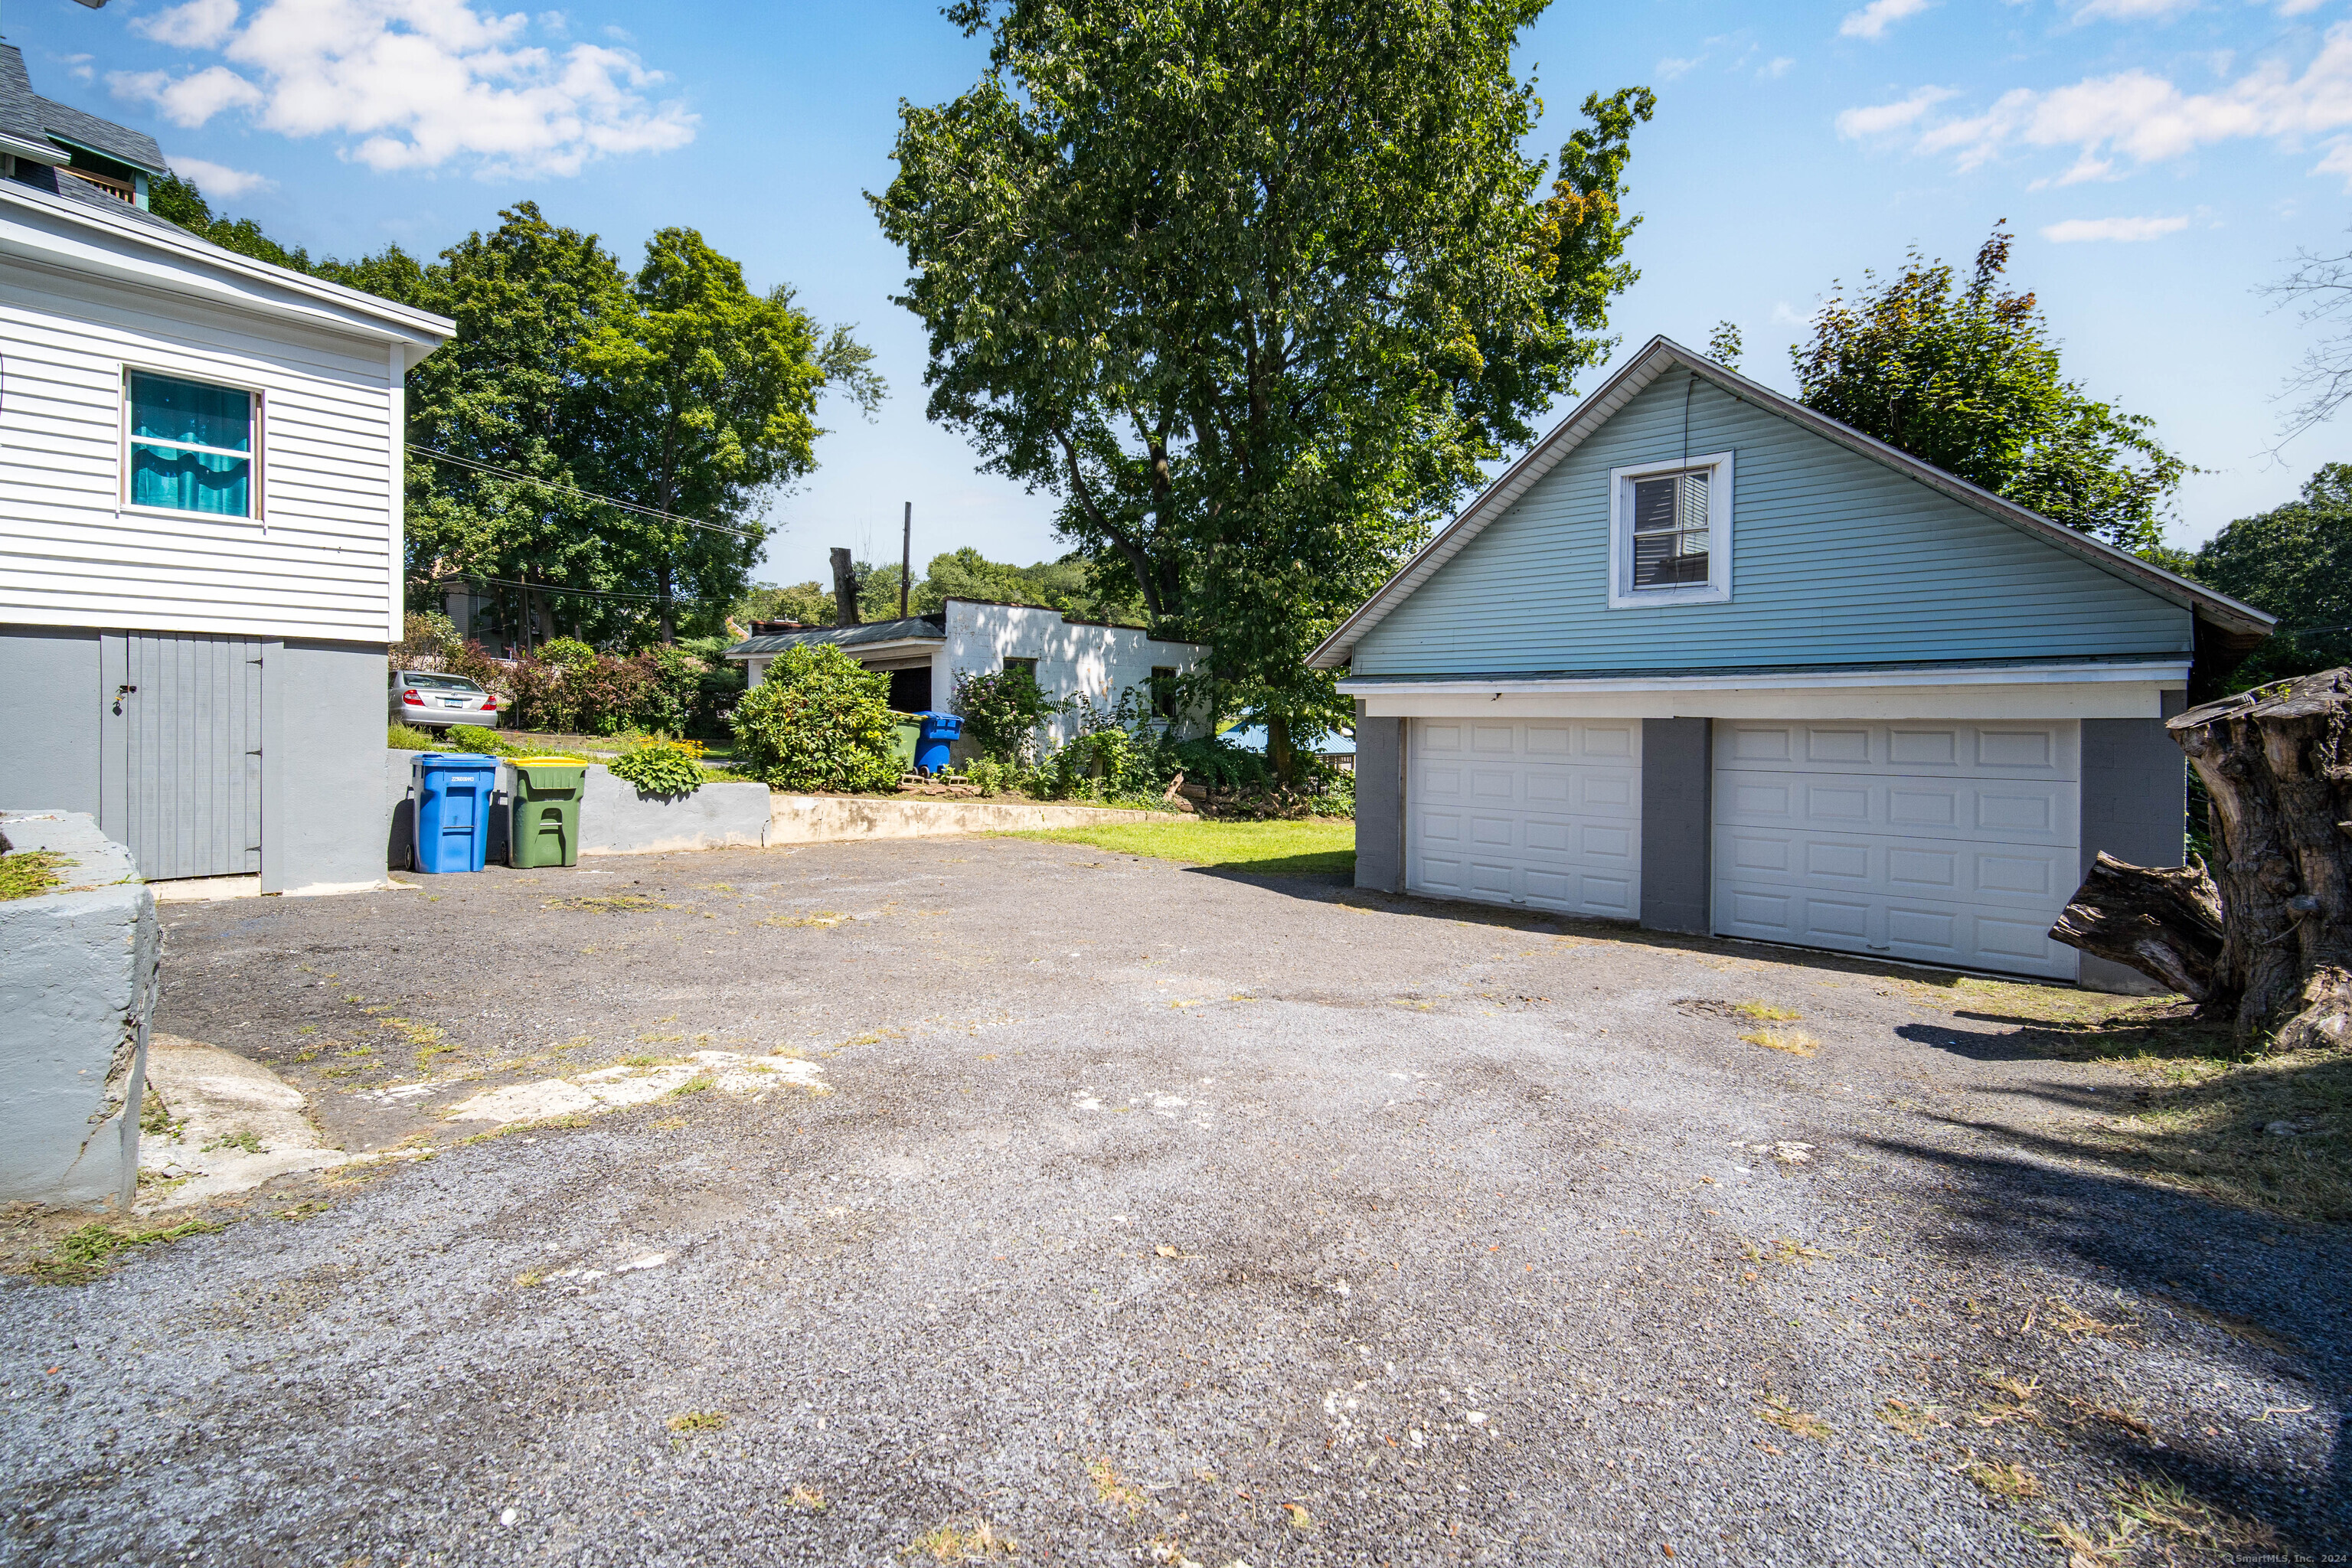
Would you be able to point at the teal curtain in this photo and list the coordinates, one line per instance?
(167, 418)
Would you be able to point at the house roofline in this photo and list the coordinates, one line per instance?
(329, 306)
(2237, 621)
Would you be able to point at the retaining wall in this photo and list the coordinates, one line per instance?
(77, 969)
(824, 819)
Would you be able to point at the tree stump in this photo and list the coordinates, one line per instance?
(2277, 763)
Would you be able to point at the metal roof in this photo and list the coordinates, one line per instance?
(2235, 620)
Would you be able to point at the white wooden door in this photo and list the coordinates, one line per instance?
(1940, 842)
(1543, 813)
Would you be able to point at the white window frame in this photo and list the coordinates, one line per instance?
(255, 501)
(1716, 589)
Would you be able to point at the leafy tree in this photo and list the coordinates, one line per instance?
(2295, 561)
(1723, 345)
(1002, 711)
(1967, 378)
(1255, 288)
(706, 394)
(392, 273)
(819, 720)
(811, 603)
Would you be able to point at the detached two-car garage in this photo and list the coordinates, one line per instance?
(1937, 842)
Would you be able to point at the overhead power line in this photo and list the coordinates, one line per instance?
(449, 577)
(515, 476)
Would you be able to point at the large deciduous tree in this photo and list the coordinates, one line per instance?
(2295, 561)
(1966, 375)
(706, 396)
(1254, 288)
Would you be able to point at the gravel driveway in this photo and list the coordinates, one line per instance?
(1138, 1214)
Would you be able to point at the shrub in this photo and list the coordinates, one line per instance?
(597, 695)
(473, 661)
(474, 738)
(401, 738)
(819, 720)
(1001, 712)
(659, 765)
(566, 653)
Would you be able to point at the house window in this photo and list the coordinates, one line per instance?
(191, 446)
(1028, 664)
(1163, 690)
(1670, 533)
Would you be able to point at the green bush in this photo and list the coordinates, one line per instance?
(566, 653)
(401, 738)
(1001, 712)
(819, 720)
(474, 738)
(659, 765)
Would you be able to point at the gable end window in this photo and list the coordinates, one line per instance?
(1670, 533)
(190, 446)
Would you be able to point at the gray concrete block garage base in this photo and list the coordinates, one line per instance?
(1142, 1214)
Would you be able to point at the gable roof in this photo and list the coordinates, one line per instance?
(914, 628)
(22, 131)
(2239, 625)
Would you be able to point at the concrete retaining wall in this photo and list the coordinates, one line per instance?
(823, 819)
(77, 969)
(614, 819)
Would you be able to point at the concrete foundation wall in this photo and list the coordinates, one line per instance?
(824, 819)
(51, 694)
(2135, 807)
(321, 730)
(77, 994)
(1380, 803)
(1677, 824)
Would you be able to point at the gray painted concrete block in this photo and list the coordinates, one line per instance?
(2135, 807)
(77, 994)
(614, 819)
(50, 699)
(1677, 824)
(1380, 803)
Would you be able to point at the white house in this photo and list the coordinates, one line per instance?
(200, 526)
(923, 654)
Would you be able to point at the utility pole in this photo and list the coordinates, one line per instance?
(907, 561)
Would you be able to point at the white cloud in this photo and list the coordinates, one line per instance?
(413, 84)
(1670, 68)
(197, 24)
(1785, 316)
(2075, 230)
(1860, 124)
(2297, 8)
(1872, 20)
(1777, 67)
(219, 180)
(2138, 115)
(78, 65)
(2134, 10)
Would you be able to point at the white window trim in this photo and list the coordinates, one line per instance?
(254, 512)
(1717, 590)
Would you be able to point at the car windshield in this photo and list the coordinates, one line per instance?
(440, 682)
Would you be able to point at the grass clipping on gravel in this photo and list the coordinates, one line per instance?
(2270, 1132)
(1263, 848)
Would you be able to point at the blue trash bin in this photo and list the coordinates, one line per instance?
(931, 745)
(453, 810)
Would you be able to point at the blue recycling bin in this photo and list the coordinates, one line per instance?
(453, 810)
(931, 745)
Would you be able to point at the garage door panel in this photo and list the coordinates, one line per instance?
(1542, 813)
(1933, 841)
(2047, 749)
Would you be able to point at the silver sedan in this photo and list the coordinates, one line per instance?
(428, 700)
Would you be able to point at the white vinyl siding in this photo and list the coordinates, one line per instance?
(1547, 814)
(316, 561)
(1938, 842)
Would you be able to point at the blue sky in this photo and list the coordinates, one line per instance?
(2159, 160)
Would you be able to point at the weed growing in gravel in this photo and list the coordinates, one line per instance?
(84, 1255)
(647, 1060)
(1777, 1412)
(303, 1211)
(819, 918)
(610, 904)
(697, 1421)
(529, 1278)
(1767, 1012)
(695, 1085)
(1912, 1420)
(2011, 1480)
(1110, 1489)
(543, 1124)
(806, 1500)
(248, 1142)
(2166, 1507)
(1795, 1042)
(960, 1541)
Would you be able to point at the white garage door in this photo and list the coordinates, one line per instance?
(1937, 842)
(1544, 814)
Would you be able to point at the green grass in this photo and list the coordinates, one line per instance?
(1266, 849)
(30, 871)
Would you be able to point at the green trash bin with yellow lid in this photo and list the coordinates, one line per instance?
(544, 826)
(906, 735)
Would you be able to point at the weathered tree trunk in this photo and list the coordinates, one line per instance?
(2165, 922)
(844, 589)
(2277, 763)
